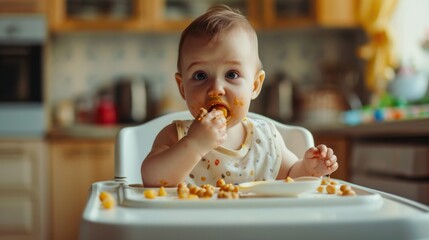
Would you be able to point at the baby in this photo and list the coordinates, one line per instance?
(219, 74)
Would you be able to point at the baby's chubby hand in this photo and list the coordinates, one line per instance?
(208, 131)
(320, 161)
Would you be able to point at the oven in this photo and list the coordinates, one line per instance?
(22, 41)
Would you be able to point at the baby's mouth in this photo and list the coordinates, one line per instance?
(220, 107)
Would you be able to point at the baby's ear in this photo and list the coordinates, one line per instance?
(257, 83)
(179, 82)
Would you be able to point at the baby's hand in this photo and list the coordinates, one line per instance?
(208, 130)
(320, 161)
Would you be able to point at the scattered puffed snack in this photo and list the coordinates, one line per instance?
(289, 179)
(183, 191)
(325, 181)
(331, 189)
(228, 191)
(349, 193)
(229, 188)
(220, 182)
(228, 195)
(107, 200)
(208, 187)
(192, 196)
(162, 192)
(193, 189)
(108, 203)
(346, 190)
(104, 195)
(149, 194)
(190, 191)
(182, 185)
(333, 182)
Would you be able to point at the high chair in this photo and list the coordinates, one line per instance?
(309, 215)
(134, 143)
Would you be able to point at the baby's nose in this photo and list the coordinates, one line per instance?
(213, 94)
(216, 90)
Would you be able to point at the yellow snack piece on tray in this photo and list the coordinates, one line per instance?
(162, 192)
(149, 194)
(320, 189)
(103, 195)
(289, 179)
(220, 182)
(108, 203)
(107, 200)
(331, 189)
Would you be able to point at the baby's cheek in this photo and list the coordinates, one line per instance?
(239, 102)
(194, 109)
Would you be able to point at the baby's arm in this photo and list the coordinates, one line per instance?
(170, 160)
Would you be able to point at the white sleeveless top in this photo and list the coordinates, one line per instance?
(259, 157)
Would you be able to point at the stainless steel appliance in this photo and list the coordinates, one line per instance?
(134, 100)
(22, 41)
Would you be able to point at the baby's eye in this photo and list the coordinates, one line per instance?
(231, 75)
(199, 76)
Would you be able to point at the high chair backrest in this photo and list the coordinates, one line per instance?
(134, 143)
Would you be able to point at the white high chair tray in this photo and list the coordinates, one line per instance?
(308, 216)
(132, 196)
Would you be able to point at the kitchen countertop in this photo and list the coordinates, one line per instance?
(85, 131)
(407, 127)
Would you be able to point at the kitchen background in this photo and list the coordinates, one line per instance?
(97, 59)
(85, 63)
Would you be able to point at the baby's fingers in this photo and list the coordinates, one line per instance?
(322, 150)
(202, 114)
(333, 167)
(331, 161)
(329, 153)
(312, 152)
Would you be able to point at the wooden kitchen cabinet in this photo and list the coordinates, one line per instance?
(287, 13)
(75, 165)
(100, 15)
(176, 15)
(23, 190)
(136, 15)
(281, 14)
(337, 13)
(22, 6)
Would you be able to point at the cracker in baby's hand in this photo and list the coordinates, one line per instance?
(221, 108)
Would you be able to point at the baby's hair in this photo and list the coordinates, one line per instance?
(215, 20)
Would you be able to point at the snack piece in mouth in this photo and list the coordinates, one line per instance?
(220, 108)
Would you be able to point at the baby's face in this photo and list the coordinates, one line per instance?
(222, 72)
